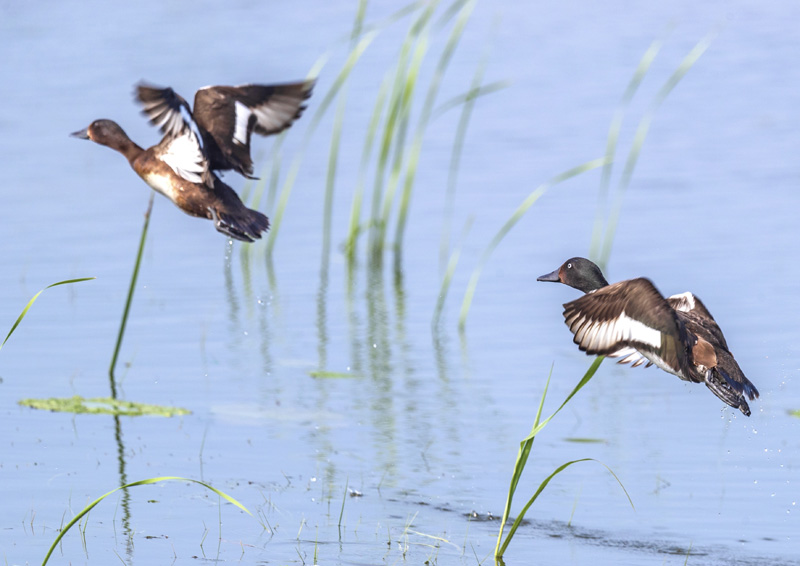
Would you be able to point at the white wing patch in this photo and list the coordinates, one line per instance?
(277, 113)
(684, 302)
(596, 336)
(242, 114)
(631, 356)
(184, 155)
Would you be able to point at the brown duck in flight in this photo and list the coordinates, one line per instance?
(214, 136)
(631, 320)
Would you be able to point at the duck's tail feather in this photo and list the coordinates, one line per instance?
(728, 382)
(246, 225)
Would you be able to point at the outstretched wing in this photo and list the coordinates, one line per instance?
(182, 147)
(229, 115)
(626, 318)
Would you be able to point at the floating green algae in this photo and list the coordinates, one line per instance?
(102, 406)
(333, 375)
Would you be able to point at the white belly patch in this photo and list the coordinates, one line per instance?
(161, 184)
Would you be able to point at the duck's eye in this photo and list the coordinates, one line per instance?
(569, 266)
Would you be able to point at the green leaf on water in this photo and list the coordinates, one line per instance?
(586, 440)
(102, 406)
(795, 413)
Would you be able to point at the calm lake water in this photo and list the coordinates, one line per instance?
(415, 449)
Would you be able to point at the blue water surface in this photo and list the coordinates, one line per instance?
(414, 450)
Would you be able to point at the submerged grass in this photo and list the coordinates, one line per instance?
(149, 481)
(522, 458)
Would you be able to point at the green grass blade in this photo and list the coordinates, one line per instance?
(33, 300)
(409, 8)
(131, 289)
(519, 465)
(427, 109)
(344, 498)
(542, 486)
(519, 213)
(641, 134)
(405, 82)
(448, 277)
(584, 380)
(394, 131)
(330, 181)
(336, 139)
(455, 157)
(341, 78)
(526, 444)
(91, 506)
(366, 152)
(472, 94)
(611, 142)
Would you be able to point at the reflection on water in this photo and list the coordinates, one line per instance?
(126, 496)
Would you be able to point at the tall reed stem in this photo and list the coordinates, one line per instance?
(129, 300)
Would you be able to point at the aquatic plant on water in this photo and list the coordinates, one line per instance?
(525, 447)
(149, 481)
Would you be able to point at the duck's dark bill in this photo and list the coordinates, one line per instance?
(81, 134)
(552, 276)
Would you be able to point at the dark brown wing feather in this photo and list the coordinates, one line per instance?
(695, 311)
(273, 109)
(605, 321)
(164, 108)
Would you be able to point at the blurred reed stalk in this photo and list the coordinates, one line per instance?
(386, 151)
(336, 137)
(600, 249)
